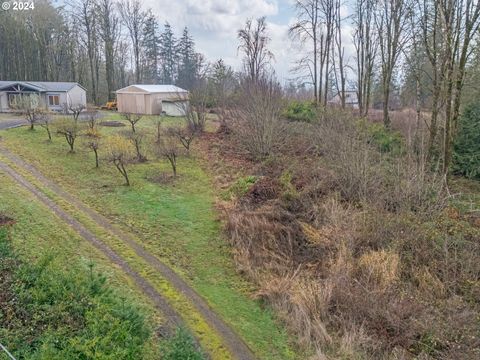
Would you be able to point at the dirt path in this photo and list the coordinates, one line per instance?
(146, 287)
(232, 341)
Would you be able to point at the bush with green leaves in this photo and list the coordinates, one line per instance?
(466, 154)
(386, 140)
(301, 111)
(48, 312)
(239, 187)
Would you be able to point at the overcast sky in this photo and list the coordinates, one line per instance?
(214, 25)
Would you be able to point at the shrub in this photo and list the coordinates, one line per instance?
(181, 346)
(301, 111)
(466, 155)
(387, 141)
(240, 187)
(259, 126)
(49, 312)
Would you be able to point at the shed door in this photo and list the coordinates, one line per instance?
(140, 103)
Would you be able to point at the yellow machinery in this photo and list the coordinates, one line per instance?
(110, 105)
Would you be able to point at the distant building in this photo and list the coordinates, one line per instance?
(56, 96)
(351, 99)
(153, 99)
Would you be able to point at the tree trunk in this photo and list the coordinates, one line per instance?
(386, 100)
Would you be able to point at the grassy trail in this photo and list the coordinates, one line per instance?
(175, 299)
(175, 223)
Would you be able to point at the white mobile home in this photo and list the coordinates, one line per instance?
(54, 95)
(153, 100)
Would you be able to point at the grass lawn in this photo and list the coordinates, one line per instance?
(175, 221)
(38, 233)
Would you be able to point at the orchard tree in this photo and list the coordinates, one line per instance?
(132, 119)
(93, 143)
(45, 123)
(184, 134)
(168, 148)
(120, 152)
(137, 138)
(32, 108)
(70, 129)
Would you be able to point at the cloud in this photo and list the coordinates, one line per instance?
(214, 25)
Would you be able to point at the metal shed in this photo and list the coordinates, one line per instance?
(153, 100)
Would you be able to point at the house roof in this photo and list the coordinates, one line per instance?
(42, 86)
(154, 88)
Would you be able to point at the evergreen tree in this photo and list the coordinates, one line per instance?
(466, 156)
(151, 45)
(188, 68)
(168, 55)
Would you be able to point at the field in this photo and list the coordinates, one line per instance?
(174, 220)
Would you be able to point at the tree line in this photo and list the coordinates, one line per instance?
(430, 42)
(102, 44)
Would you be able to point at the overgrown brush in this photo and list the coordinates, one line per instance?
(357, 249)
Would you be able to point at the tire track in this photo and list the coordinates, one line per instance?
(160, 303)
(234, 343)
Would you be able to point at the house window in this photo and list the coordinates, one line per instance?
(12, 99)
(53, 100)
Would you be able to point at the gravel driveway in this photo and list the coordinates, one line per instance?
(11, 123)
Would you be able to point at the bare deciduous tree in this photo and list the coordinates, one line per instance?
(184, 134)
(74, 109)
(134, 19)
(92, 119)
(339, 51)
(93, 143)
(45, 123)
(365, 41)
(70, 129)
(120, 153)
(195, 109)
(391, 20)
(259, 126)
(137, 138)
(460, 24)
(168, 148)
(132, 119)
(253, 43)
(109, 26)
(31, 107)
(307, 30)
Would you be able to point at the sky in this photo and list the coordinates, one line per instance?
(214, 25)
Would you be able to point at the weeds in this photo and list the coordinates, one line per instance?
(355, 247)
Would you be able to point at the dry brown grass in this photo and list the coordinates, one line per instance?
(355, 250)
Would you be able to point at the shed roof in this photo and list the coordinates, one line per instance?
(154, 89)
(42, 85)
